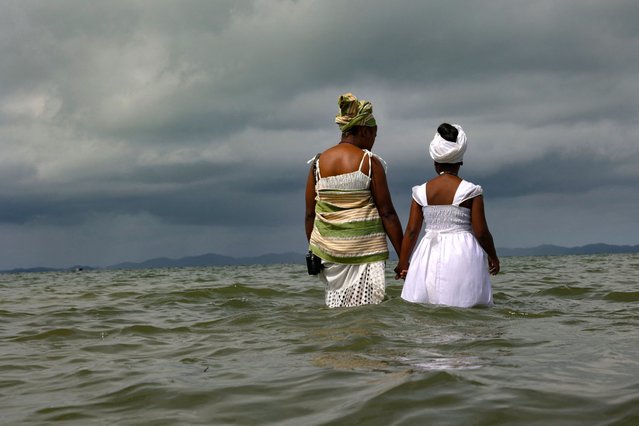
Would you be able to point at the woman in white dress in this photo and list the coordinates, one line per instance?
(452, 263)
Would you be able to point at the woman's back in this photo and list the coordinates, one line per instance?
(341, 159)
(448, 266)
(345, 172)
(349, 212)
(442, 190)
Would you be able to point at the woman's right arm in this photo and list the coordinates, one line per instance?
(309, 217)
(483, 235)
(413, 227)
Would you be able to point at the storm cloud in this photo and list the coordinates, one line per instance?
(136, 129)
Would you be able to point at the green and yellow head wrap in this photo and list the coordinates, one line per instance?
(353, 112)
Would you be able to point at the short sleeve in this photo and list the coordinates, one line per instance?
(419, 194)
(466, 191)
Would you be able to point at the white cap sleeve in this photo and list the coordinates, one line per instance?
(419, 194)
(466, 191)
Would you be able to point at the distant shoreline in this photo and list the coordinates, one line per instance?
(212, 259)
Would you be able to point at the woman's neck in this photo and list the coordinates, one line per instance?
(355, 141)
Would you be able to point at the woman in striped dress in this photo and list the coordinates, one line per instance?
(349, 211)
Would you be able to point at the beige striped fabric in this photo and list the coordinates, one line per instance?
(348, 228)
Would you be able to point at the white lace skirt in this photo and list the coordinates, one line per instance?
(353, 285)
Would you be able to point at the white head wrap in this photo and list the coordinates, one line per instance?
(447, 152)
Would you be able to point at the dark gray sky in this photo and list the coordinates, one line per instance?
(137, 129)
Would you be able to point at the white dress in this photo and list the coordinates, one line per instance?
(448, 266)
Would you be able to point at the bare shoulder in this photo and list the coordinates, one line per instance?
(340, 159)
(341, 150)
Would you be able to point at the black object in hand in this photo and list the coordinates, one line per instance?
(313, 263)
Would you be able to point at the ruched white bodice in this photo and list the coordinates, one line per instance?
(447, 218)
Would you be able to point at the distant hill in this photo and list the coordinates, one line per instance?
(212, 259)
(551, 250)
(47, 269)
(209, 259)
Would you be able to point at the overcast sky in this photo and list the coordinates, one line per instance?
(138, 129)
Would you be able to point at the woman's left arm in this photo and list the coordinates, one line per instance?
(483, 235)
(384, 204)
(413, 228)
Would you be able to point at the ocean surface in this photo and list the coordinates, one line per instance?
(254, 345)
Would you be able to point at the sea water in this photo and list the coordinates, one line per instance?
(255, 345)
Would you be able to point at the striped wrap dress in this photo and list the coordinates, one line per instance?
(349, 236)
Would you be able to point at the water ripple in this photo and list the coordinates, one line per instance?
(255, 345)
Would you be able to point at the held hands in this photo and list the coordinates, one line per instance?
(401, 271)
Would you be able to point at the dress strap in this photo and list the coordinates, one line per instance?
(315, 161)
(368, 154)
(381, 160)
